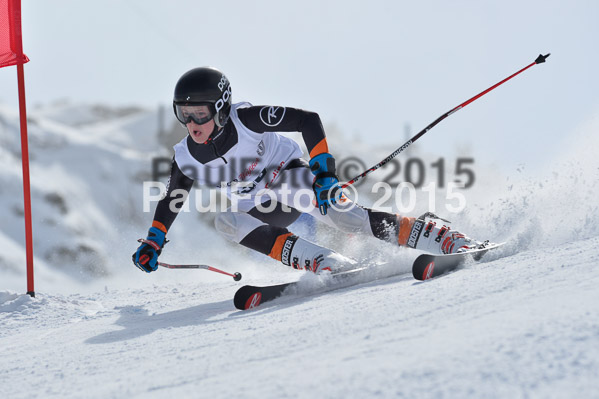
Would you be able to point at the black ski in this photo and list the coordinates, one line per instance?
(428, 266)
(250, 296)
(424, 267)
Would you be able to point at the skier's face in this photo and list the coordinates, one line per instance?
(200, 133)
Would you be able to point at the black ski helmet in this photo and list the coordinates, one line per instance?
(205, 86)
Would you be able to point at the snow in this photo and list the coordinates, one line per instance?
(521, 326)
(522, 323)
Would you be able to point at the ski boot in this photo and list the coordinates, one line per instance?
(433, 234)
(303, 255)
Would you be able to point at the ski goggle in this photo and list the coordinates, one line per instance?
(200, 114)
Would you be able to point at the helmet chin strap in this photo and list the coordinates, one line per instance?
(216, 132)
(211, 141)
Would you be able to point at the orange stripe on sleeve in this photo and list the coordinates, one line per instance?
(319, 148)
(405, 227)
(277, 248)
(159, 226)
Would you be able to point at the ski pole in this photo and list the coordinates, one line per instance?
(236, 276)
(540, 59)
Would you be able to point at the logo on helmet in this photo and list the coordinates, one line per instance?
(224, 99)
(223, 82)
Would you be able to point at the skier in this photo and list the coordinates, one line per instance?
(243, 139)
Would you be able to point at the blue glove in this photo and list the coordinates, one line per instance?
(327, 189)
(146, 256)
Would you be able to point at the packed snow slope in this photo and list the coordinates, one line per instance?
(522, 323)
(525, 325)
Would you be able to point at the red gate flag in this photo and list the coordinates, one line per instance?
(11, 44)
(11, 53)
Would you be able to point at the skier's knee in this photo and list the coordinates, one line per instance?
(353, 219)
(235, 225)
(226, 225)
